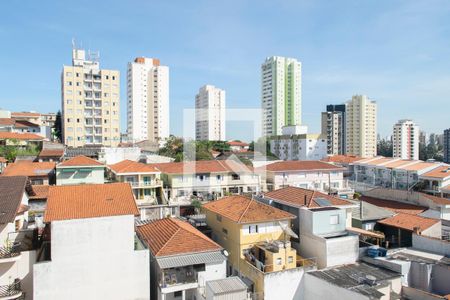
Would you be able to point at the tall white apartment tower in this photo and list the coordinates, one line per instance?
(148, 100)
(90, 101)
(361, 128)
(210, 114)
(281, 94)
(405, 140)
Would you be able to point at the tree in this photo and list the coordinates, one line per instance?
(385, 148)
(57, 127)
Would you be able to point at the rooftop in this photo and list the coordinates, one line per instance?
(25, 114)
(439, 172)
(358, 277)
(343, 159)
(409, 222)
(237, 143)
(242, 209)
(38, 192)
(304, 197)
(297, 165)
(418, 166)
(395, 206)
(20, 136)
(30, 169)
(80, 161)
(367, 211)
(3, 160)
(436, 199)
(89, 201)
(129, 166)
(12, 189)
(172, 236)
(51, 153)
(203, 166)
(24, 124)
(227, 285)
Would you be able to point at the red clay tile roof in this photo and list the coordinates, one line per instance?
(297, 165)
(24, 124)
(3, 160)
(437, 200)
(409, 222)
(19, 136)
(38, 192)
(68, 202)
(7, 121)
(345, 159)
(28, 168)
(236, 143)
(304, 197)
(417, 167)
(172, 236)
(395, 206)
(25, 114)
(203, 166)
(11, 193)
(242, 209)
(439, 172)
(79, 161)
(129, 166)
(51, 153)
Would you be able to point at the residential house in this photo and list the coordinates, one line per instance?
(314, 175)
(366, 215)
(436, 181)
(20, 140)
(37, 172)
(182, 259)
(344, 161)
(207, 179)
(238, 146)
(80, 170)
(257, 239)
(89, 248)
(321, 224)
(145, 181)
(16, 242)
(37, 201)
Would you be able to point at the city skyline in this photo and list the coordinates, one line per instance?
(355, 52)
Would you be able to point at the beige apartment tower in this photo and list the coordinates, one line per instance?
(90, 102)
(361, 128)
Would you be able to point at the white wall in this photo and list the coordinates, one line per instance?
(429, 244)
(315, 288)
(212, 272)
(283, 285)
(93, 259)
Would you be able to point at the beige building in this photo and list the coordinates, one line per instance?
(90, 102)
(361, 130)
(405, 140)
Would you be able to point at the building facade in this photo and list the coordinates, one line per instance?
(148, 100)
(281, 94)
(405, 140)
(361, 130)
(333, 127)
(210, 114)
(299, 147)
(90, 102)
(447, 146)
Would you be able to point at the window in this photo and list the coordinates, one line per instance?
(178, 294)
(219, 218)
(290, 259)
(334, 219)
(235, 176)
(199, 267)
(224, 230)
(279, 261)
(252, 229)
(68, 73)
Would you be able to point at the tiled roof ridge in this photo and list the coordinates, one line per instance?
(171, 238)
(245, 211)
(311, 199)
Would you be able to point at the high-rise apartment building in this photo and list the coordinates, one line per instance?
(447, 146)
(90, 102)
(281, 94)
(422, 137)
(361, 128)
(148, 100)
(333, 127)
(210, 114)
(405, 140)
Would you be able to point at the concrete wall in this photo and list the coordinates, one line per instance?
(283, 285)
(93, 259)
(440, 276)
(22, 268)
(212, 272)
(342, 250)
(415, 294)
(97, 175)
(430, 244)
(434, 231)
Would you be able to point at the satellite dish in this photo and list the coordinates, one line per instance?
(225, 252)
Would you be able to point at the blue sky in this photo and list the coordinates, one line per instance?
(396, 52)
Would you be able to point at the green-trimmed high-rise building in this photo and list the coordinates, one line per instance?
(281, 94)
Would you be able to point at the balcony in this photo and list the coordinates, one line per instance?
(142, 184)
(176, 279)
(11, 291)
(9, 253)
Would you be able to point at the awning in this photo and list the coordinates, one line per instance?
(366, 232)
(190, 259)
(68, 170)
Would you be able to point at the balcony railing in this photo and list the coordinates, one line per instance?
(9, 251)
(11, 291)
(151, 183)
(178, 276)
